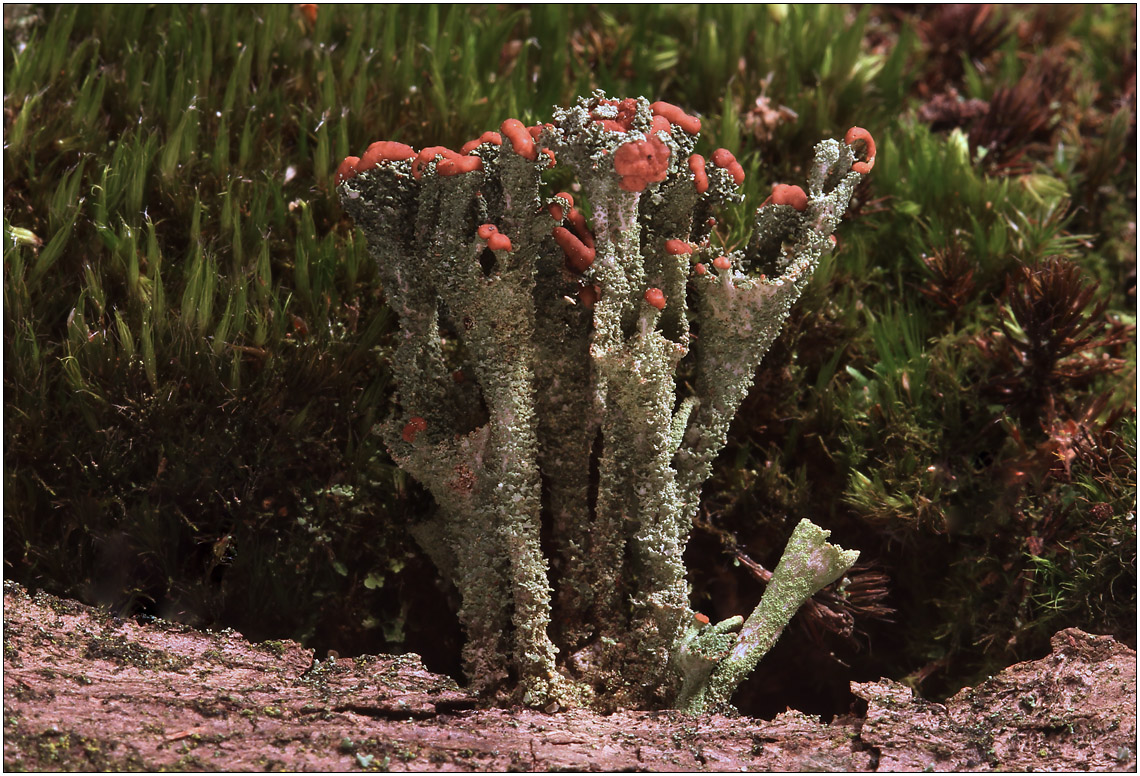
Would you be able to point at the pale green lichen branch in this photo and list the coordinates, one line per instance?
(808, 565)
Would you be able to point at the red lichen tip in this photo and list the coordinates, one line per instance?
(700, 269)
(414, 426)
(677, 247)
(660, 124)
(384, 151)
(703, 619)
(621, 119)
(427, 155)
(578, 221)
(556, 208)
(722, 263)
(346, 169)
(536, 130)
(499, 242)
(579, 257)
(700, 178)
(641, 162)
(656, 298)
(494, 138)
(724, 159)
(783, 194)
(520, 138)
(458, 165)
(675, 115)
(857, 136)
(496, 240)
(309, 11)
(611, 125)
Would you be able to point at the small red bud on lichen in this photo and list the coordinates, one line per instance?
(556, 210)
(641, 162)
(858, 136)
(677, 247)
(520, 138)
(384, 151)
(499, 242)
(579, 257)
(660, 124)
(458, 165)
(675, 115)
(783, 194)
(536, 130)
(550, 155)
(415, 425)
(346, 169)
(722, 263)
(578, 221)
(700, 178)
(700, 269)
(724, 159)
(656, 298)
(611, 125)
(496, 240)
(494, 138)
(624, 115)
(627, 111)
(427, 155)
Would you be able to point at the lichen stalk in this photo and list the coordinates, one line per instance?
(808, 565)
(538, 347)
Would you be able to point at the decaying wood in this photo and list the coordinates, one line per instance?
(86, 691)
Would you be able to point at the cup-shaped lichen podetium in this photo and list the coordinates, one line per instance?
(536, 368)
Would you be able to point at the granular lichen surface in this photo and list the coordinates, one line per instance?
(541, 337)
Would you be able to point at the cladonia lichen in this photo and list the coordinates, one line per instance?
(538, 400)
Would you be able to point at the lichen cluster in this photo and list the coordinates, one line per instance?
(541, 337)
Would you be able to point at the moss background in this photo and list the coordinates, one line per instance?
(194, 340)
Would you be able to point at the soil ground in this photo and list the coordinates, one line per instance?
(86, 691)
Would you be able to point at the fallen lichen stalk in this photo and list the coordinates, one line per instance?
(537, 345)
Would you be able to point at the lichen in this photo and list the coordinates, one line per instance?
(538, 394)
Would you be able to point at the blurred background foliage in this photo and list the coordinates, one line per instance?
(195, 341)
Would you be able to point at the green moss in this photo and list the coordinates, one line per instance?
(132, 654)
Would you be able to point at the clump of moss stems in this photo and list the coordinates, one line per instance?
(194, 338)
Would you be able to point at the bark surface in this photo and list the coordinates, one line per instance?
(87, 691)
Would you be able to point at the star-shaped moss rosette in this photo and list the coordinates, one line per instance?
(540, 337)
